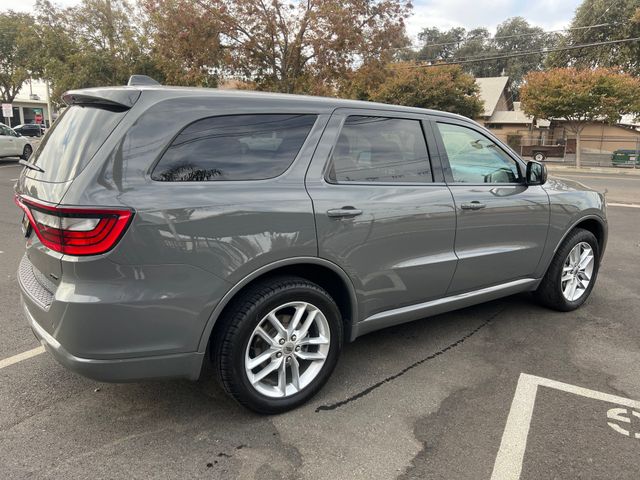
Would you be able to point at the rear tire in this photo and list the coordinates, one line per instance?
(572, 273)
(299, 361)
(26, 152)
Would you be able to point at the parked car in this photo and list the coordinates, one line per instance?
(169, 227)
(13, 145)
(30, 130)
(625, 157)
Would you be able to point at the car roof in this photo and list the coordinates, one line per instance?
(127, 96)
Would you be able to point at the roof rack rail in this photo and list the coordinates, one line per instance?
(136, 80)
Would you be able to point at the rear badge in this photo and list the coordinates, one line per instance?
(26, 226)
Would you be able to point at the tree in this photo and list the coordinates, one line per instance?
(439, 44)
(623, 17)
(445, 88)
(295, 46)
(17, 40)
(479, 43)
(517, 35)
(580, 96)
(97, 43)
(186, 48)
(513, 35)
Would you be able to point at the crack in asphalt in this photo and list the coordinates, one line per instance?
(368, 390)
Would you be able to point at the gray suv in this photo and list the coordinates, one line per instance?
(169, 227)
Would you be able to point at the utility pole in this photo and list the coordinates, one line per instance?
(48, 104)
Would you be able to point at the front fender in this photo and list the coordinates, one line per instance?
(571, 203)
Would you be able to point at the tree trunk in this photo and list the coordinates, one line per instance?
(576, 127)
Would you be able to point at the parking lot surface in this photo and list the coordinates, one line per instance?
(441, 398)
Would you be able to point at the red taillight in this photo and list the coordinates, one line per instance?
(76, 231)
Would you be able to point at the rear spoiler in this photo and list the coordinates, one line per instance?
(116, 99)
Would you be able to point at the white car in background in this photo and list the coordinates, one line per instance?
(13, 145)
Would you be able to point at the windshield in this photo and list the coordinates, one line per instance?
(72, 142)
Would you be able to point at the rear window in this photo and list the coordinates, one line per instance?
(380, 149)
(234, 147)
(72, 142)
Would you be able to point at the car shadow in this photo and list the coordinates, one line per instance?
(364, 363)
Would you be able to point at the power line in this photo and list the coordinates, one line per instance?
(600, 17)
(432, 62)
(610, 24)
(605, 11)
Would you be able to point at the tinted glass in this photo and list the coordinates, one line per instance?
(236, 147)
(378, 149)
(476, 159)
(72, 142)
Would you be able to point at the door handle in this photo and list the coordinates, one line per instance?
(344, 212)
(475, 205)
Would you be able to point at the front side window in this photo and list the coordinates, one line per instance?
(234, 147)
(476, 159)
(380, 149)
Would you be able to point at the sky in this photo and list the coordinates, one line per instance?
(444, 14)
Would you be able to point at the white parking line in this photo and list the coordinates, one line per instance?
(508, 464)
(21, 356)
(628, 205)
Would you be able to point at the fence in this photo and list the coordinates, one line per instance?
(596, 150)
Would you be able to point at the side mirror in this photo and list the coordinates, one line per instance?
(536, 173)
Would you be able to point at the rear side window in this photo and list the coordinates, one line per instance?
(72, 142)
(234, 147)
(380, 149)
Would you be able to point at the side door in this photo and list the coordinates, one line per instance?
(383, 211)
(16, 143)
(5, 142)
(502, 222)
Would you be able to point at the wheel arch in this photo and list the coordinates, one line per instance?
(323, 272)
(593, 224)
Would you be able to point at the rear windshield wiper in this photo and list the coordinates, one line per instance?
(31, 166)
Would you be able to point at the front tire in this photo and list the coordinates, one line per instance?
(278, 344)
(26, 152)
(572, 273)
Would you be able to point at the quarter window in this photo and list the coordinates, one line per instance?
(476, 159)
(379, 149)
(234, 147)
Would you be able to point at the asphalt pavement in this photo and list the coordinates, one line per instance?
(619, 187)
(508, 385)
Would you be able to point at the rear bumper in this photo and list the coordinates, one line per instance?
(185, 365)
(119, 323)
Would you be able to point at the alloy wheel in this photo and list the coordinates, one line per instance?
(287, 349)
(577, 271)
